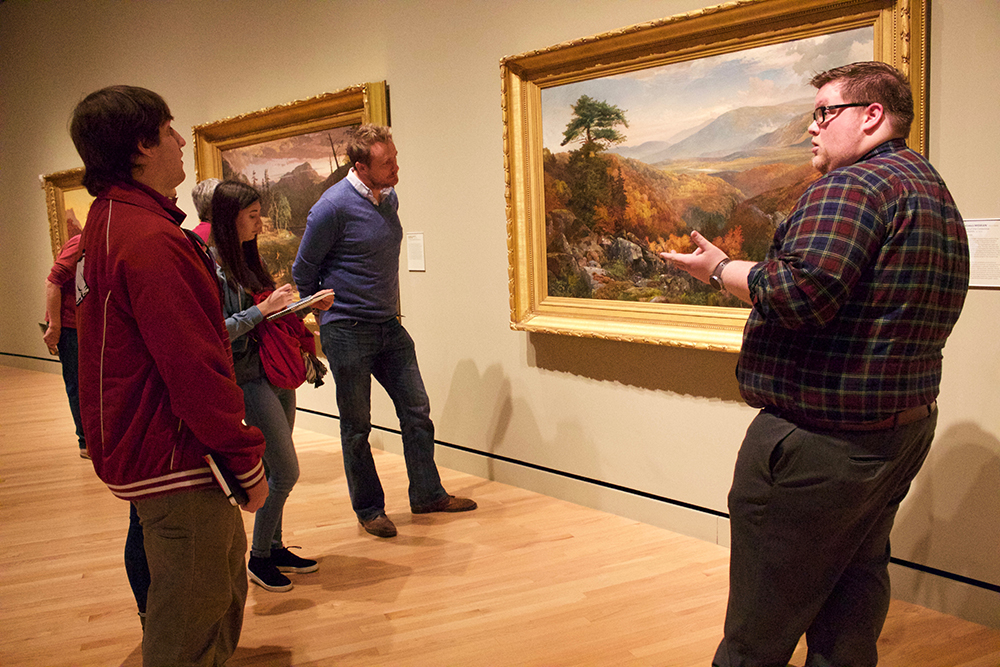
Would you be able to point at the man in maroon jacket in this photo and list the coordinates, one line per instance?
(157, 391)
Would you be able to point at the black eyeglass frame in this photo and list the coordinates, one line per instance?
(822, 110)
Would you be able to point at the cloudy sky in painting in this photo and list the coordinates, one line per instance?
(662, 102)
(280, 156)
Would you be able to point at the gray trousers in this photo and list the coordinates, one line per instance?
(195, 546)
(810, 517)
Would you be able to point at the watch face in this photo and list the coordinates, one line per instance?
(715, 283)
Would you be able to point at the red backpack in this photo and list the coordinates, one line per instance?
(283, 344)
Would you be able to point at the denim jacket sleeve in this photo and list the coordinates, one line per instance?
(239, 321)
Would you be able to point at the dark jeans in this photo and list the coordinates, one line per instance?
(358, 351)
(136, 567)
(69, 355)
(810, 517)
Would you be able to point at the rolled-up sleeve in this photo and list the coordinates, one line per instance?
(834, 233)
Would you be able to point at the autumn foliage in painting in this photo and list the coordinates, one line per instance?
(608, 216)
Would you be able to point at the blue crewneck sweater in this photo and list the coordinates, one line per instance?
(352, 247)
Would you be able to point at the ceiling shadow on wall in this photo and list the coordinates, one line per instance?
(647, 366)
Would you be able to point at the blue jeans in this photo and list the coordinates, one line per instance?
(69, 356)
(272, 410)
(358, 351)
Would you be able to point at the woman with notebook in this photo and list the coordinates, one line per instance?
(250, 295)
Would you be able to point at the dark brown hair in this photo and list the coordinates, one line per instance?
(873, 82)
(240, 261)
(107, 128)
(359, 148)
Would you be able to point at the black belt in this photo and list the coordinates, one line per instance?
(895, 421)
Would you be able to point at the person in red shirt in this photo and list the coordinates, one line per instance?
(60, 335)
(202, 196)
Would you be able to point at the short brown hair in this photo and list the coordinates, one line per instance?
(872, 82)
(107, 127)
(359, 148)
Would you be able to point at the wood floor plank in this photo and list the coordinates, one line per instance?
(524, 580)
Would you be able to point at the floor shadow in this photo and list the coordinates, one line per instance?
(133, 659)
(346, 573)
(286, 605)
(272, 656)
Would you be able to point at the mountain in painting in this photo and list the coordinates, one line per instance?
(302, 177)
(733, 131)
(610, 212)
(301, 187)
(643, 151)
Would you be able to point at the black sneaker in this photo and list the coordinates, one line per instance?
(286, 561)
(265, 574)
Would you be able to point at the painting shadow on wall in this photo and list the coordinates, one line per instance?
(697, 373)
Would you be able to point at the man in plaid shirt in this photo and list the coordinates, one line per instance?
(842, 351)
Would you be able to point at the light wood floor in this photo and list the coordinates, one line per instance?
(524, 580)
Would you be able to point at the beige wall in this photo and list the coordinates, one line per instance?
(659, 420)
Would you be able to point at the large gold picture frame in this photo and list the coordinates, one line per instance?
(303, 145)
(288, 133)
(67, 203)
(899, 28)
(363, 103)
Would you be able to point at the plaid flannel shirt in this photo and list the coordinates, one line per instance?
(860, 289)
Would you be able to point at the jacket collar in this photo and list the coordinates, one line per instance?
(137, 194)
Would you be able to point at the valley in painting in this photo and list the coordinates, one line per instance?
(633, 163)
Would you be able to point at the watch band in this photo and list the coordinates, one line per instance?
(715, 280)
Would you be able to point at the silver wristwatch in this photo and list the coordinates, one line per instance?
(715, 280)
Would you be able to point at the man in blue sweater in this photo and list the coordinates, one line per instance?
(351, 245)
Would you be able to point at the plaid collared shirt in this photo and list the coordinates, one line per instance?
(860, 289)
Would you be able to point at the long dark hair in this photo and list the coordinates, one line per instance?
(240, 261)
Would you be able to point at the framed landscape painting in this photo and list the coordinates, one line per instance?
(617, 146)
(67, 203)
(292, 154)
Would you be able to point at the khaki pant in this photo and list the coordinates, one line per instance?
(195, 546)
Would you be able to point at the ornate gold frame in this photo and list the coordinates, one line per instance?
(363, 103)
(56, 186)
(900, 39)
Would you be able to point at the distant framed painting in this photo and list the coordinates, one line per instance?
(292, 154)
(67, 203)
(617, 146)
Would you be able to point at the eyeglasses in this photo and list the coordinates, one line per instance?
(819, 113)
